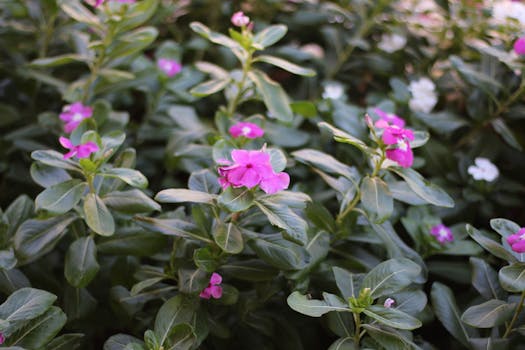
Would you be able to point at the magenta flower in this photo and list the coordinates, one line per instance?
(252, 168)
(248, 130)
(81, 151)
(519, 46)
(74, 114)
(2, 338)
(214, 289)
(239, 19)
(168, 66)
(517, 241)
(442, 233)
(399, 141)
(390, 118)
(389, 302)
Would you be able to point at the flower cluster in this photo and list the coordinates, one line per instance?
(517, 241)
(483, 170)
(252, 168)
(424, 96)
(213, 289)
(442, 233)
(248, 130)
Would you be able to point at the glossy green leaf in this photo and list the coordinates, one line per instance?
(485, 279)
(269, 35)
(228, 237)
(283, 217)
(54, 159)
(130, 176)
(176, 310)
(280, 253)
(97, 215)
(275, 98)
(61, 198)
(58, 60)
(392, 317)
(512, 277)
(391, 276)
(39, 331)
(130, 202)
(25, 304)
(71, 341)
(490, 245)
(311, 307)
(210, 87)
(180, 195)
(47, 176)
(286, 65)
(236, 199)
(489, 314)
(376, 198)
(81, 264)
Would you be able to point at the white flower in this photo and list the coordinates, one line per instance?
(313, 50)
(483, 170)
(333, 90)
(424, 96)
(392, 42)
(505, 9)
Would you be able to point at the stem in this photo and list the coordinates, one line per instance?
(378, 164)
(95, 67)
(357, 332)
(515, 317)
(349, 208)
(232, 106)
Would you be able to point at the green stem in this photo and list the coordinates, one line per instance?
(357, 332)
(515, 317)
(378, 164)
(95, 67)
(232, 105)
(349, 208)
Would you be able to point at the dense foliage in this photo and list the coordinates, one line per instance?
(262, 175)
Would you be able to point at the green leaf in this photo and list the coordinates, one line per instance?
(181, 337)
(210, 87)
(423, 188)
(76, 10)
(179, 195)
(7, 259)
(485, 279)
(47, 176)
(204, 181)
(236, 199)
(121, 342)
(130, 176)
(133, 241)
(205, 260)
(21, 209)
(512, 277)
(343, 137)
(311, 307)
(446, 310)
(140, 286)
(392, 317)
(376, 198)
(343, 344)
(131, 202)
(286, 65)
(35, 238)
(490, 245)
(269, 36)
(280, 253)
(253, 270)
(283, 217)
(504, 131)
(70, 341)
(61, 198)
(131, 43)
(176, 310)
(172, 227)
(192, 281)
(54, 159)
(81, 264)
(389, 338)
(39, 331)
(137, 14)
(228, 237)
(504, 227)
(23, 305)
(275, 98)
(347, 282)
(489, 314)
(391, 276)
(58, 60)
(97, 215)
(321, 217)
(324, 162)
(214, 37)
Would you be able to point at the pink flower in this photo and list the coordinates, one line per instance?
(252, 168)
(399, 141)
(81, 151)
(519, 46)
(214, 289)
(517, 241)
(248, 130)
(239, 19)
(2, 338)
(442, 233)
(389, 302)
(168, 66)
(390, 118)
(74, 114)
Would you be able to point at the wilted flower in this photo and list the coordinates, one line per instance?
(483, 170)
(214, 289)
(392, 42)
(424, 96)
(517, 241)
(399, 141)
(519, 46)
(239, 19)
(74, 114)
(81, 151)
(168, 66)
(333, 90)
(389, 302)
(248, 130)
(390, 117)
(442, 233)
(252, 168)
